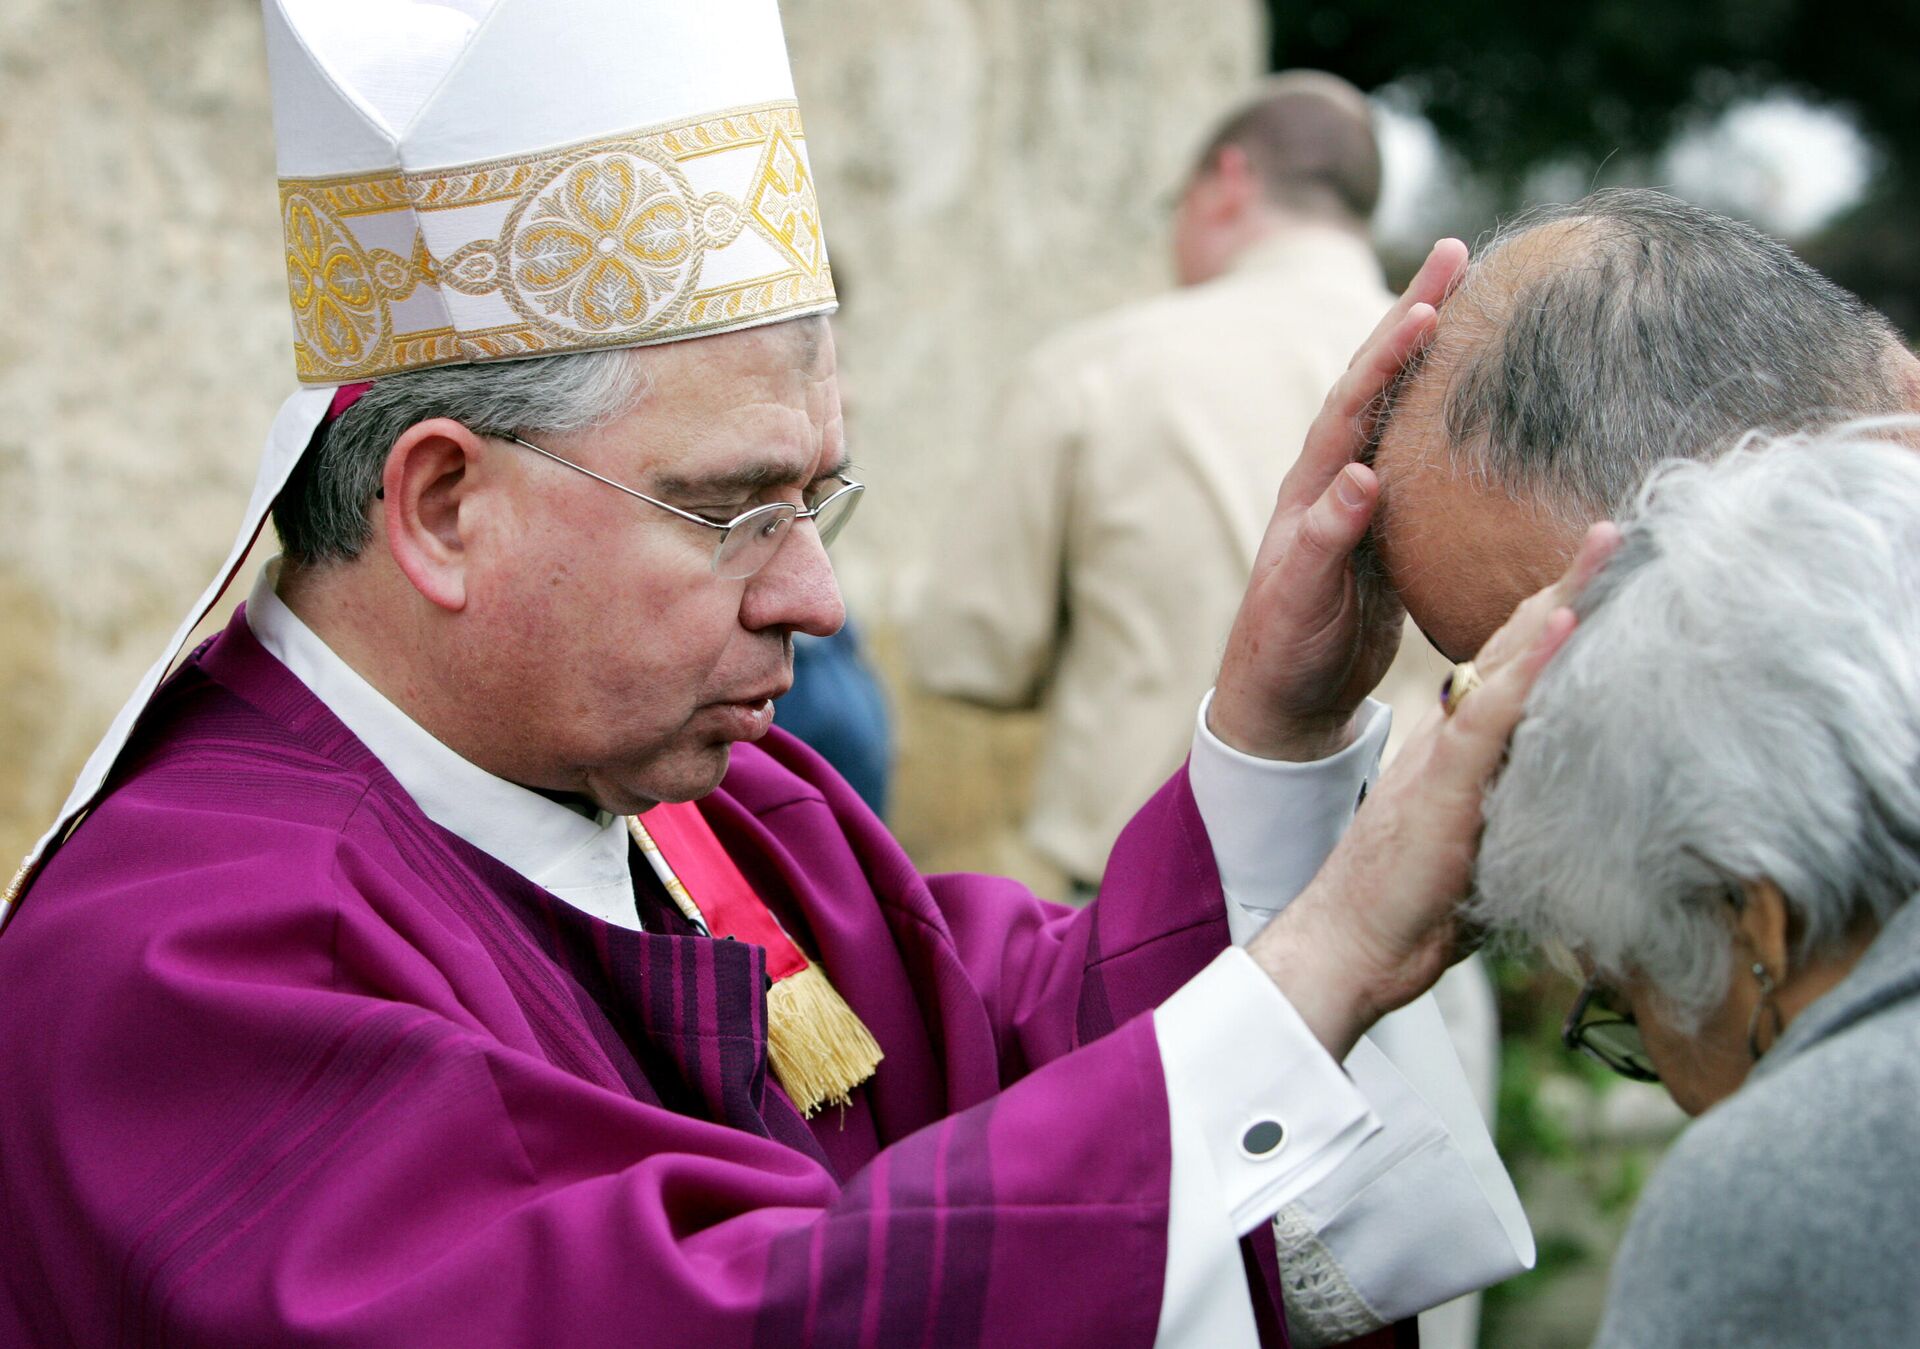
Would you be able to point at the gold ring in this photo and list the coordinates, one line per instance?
(1463, 680)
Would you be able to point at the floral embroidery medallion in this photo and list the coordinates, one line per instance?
(340, 316)
(701, 226)
(610, 245)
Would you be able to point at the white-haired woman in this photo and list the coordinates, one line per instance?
(1714, 803)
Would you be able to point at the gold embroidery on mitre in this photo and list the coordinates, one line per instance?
(782, 203)
(725, 304)
(601, 244)
(339, 311)
(398, 276)
(611, 243)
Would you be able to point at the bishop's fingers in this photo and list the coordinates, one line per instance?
(1446, 263)
(1339, 433)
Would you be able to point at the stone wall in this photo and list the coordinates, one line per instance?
(987, 168)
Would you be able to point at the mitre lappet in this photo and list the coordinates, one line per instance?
(488, 180)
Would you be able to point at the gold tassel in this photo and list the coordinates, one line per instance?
(818, 1046)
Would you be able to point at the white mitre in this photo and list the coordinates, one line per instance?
(477, 180)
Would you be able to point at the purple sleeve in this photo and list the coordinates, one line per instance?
(1060, 978)
(1048, 978)
(253, 1113)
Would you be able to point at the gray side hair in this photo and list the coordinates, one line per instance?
(1738, 703)
(322, 515)
(1666, 329)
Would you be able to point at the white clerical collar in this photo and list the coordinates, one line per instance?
(582, 861)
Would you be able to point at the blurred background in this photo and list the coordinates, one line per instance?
(988, 170)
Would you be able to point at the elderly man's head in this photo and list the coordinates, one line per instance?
(552, 629)
(1303, 151)
(1588, 343)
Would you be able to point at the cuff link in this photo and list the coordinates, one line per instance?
(1263, 1139)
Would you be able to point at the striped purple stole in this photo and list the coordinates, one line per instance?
(676, 1019)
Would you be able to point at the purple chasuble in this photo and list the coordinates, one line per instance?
(287, 1063)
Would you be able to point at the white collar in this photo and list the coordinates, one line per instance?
(583, 861)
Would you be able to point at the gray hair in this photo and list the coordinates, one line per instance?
(1738, 703)
(1657, 328)
(322, 515)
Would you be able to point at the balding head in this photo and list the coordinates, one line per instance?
(1304, 150)
(1588, 343)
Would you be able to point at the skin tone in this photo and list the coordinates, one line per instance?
(566, 637)
(1705, 1065)
(1224, 210)
(1309, 642)
(1222, 214)
(1459, 556)
(1376, 927)
(560, 635)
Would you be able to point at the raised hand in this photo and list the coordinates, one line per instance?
(1309, 642)
(1376, 927)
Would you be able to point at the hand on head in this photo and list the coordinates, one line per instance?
(1377, 926)
(1310, 642)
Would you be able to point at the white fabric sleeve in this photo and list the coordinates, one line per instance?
(1420, 1209)
(1259, 1114)
(1424, 1210)
(1272, 823)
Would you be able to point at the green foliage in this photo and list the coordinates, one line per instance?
(1539, 1079)
(1515, 85)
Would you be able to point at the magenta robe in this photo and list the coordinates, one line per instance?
(286, 1063)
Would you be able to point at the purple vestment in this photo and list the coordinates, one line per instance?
(287, 1063)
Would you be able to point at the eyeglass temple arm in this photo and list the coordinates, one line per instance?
(620, 487)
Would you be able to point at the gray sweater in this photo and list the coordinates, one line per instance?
(1789, 1214)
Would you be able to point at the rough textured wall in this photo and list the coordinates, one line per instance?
(144, 350)
(987, 169)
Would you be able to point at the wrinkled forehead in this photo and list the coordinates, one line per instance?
(761, 401)
(808, 342)
(792, 361)
(801, 347)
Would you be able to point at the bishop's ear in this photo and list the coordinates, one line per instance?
(428, 476)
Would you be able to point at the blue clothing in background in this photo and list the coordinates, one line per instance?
(837, 707)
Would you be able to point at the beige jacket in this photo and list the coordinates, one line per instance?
(1094, 564)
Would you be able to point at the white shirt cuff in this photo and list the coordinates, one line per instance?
(1423, 1211)
(1274, 1111)
(1258, 1113)
(1398, 1191)
(1272, 822)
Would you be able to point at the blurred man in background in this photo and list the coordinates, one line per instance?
(1118, 502)
(1116, 510)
